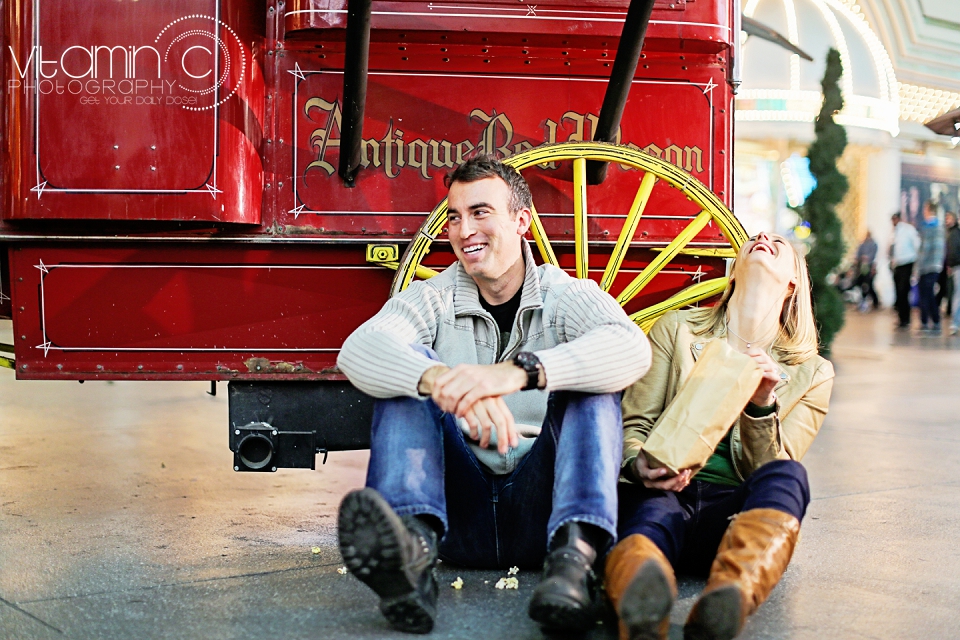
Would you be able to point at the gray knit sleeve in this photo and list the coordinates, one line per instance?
(378, 358)
(602, 350)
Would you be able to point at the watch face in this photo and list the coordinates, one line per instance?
(527, 360)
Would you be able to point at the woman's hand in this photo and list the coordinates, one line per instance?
(764, 396)
(660, 478)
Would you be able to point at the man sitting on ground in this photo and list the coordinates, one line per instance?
(497, 438)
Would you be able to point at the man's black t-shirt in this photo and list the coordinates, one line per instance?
(504, 315)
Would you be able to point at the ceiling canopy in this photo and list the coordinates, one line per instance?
(778, 85)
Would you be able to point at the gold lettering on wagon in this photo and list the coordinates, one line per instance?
(394, 151)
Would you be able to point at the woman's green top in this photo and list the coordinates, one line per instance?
(719, 468)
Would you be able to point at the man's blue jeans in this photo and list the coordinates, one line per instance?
(421, 464)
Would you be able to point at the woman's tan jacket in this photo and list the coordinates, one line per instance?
(803, 396)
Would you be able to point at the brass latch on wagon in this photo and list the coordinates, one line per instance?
(388, 255)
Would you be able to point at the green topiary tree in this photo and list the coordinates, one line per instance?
(820, 207)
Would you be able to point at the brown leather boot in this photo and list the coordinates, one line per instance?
(753, 554)
(641, 586)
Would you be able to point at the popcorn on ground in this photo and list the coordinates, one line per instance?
(507, 583)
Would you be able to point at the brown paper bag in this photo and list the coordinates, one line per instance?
(710, 400)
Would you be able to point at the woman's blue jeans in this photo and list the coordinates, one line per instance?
(688, 526)
(421, 464)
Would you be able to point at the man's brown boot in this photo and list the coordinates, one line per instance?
(753, 554)
(642, 588)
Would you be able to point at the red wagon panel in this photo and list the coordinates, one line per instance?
(128, 114)
(226, 246)
(211, 312)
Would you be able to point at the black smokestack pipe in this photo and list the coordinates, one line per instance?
(355, 65)
(621, 78)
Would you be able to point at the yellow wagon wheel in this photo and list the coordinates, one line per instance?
(654, 168)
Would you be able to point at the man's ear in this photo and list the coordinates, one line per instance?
(524, 218)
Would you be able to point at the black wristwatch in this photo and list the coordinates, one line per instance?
(531, 364)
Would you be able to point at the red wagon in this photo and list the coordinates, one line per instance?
(225, 189)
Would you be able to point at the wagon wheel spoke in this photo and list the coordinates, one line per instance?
(417, 249)
(629, 230)
(580, 217)
(665, 256)
(540, 237)
(692, 294)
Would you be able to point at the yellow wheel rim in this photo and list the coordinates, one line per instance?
(711, 209)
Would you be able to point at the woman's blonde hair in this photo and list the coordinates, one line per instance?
(797, 339)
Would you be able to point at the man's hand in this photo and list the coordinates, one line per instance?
(488, 414)
(458, 389)
(474, 392)
(764, 396)
(425, 386)
(660, 478)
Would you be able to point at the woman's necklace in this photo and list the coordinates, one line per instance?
(749, 343)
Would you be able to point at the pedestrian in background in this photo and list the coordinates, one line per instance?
(946, 282)
(953, 269)
(903, 255)
(866, 271)
(929, 265)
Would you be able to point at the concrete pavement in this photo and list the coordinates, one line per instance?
(121, 517)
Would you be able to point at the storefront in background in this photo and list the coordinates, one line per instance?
(892, 162)
(937, 182)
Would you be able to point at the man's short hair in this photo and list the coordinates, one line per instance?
(895, 216)
(487, 166)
